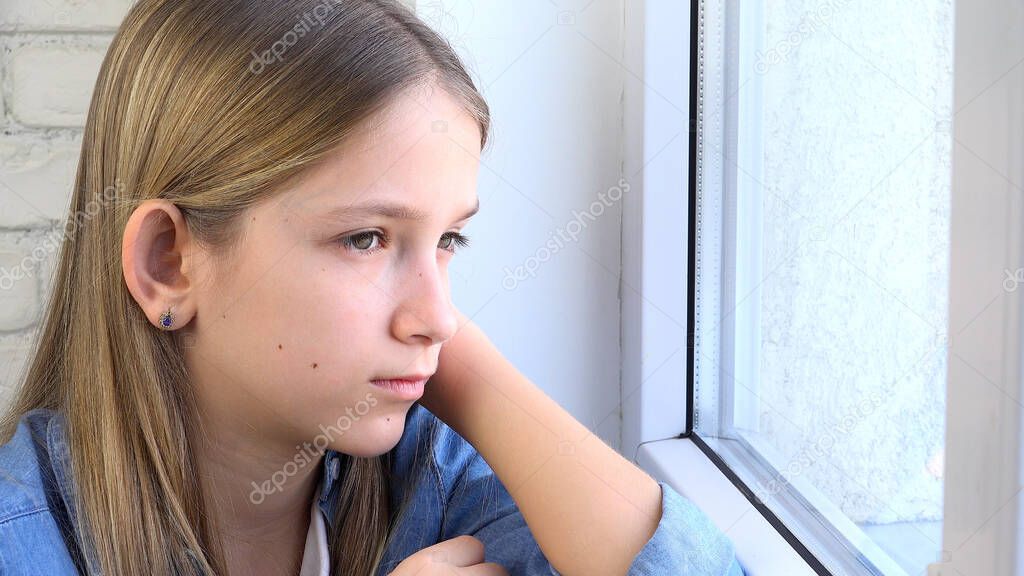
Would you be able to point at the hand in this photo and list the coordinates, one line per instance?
(462, 555)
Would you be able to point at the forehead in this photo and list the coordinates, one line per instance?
(422, 149)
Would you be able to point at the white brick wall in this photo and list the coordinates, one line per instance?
(36, 176)
(61, 15)
(13, 361)
(50, 54)
(51, 81)
(20, 263)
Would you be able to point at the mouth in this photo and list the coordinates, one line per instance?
(405, 388)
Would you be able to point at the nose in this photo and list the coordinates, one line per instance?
(424, 307)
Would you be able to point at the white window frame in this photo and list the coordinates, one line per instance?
(656, 319)
(984, 453)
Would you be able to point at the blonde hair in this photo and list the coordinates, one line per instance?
(212, 105)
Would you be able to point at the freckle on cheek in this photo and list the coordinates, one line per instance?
(315, 365)
(279, 347)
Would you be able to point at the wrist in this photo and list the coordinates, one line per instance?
(469, 369)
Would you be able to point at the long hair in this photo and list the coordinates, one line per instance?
(213, 105)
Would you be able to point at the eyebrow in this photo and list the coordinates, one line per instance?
(389, 210)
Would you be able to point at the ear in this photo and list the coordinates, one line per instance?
(156, 259)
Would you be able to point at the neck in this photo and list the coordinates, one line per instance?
(262, 513)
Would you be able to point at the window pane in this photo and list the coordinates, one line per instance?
(831, 140)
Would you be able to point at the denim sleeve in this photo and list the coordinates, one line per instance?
(684, 543)
(479, 505)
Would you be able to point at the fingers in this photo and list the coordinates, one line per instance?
(460, 551)
(485, 569)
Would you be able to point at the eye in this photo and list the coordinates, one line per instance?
(453, 239)
(362, 242)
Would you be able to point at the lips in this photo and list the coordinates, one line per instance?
(405, 378)
(403, 389)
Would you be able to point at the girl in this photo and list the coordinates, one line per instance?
(251, 293)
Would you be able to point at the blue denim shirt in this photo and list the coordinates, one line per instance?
(453, 491)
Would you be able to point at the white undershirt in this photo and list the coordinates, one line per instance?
(316, 561)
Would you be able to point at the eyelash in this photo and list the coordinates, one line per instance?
(460, 240)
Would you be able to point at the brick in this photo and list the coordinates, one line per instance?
(51, 85)
(20, 266)
(52, 242)
(14, 354)
(62, 15)
(6, 396)
(36, 180)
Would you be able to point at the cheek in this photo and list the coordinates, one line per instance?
(338, 310)
(292, 336)
(329, 326)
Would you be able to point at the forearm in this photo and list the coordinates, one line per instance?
(590, 509)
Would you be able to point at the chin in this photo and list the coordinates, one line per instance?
(374, 438)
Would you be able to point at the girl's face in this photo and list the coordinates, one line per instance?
(339, 281)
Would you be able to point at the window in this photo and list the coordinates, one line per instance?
(820, 272)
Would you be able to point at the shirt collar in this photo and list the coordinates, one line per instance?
(328, 479)
(316, 555)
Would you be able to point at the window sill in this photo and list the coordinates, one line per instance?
(759, 547)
